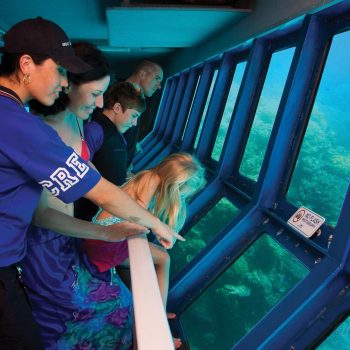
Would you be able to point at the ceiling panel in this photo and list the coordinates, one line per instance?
(127, 33)
(166, 27)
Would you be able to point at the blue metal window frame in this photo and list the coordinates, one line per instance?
(317, 303)
(173, 136)
(217, 104)
(197, 110)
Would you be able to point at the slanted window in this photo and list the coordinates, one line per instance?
(227, 114)
(321, 176)
(242, 295)
(266, 113)
(202, 233)
(205, 108)
(190, 110)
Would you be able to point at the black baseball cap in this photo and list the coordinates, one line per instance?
(43, 37)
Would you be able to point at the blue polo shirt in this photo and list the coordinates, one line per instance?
(32, 156)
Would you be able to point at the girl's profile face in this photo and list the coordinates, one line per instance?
(86, 97)
(46, 81)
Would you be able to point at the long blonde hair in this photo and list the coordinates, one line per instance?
(181, 175)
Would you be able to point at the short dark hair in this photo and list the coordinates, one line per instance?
(100, 69)
(127, 95)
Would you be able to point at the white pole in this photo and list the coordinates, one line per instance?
(152, 328)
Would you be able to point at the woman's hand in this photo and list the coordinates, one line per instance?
(120, 231)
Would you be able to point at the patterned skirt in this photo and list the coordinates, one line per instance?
(76, 307)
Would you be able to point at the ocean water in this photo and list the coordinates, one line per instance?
(228, 110)
(339, 339)
(201, 234)
(266, 113)
(241, 296)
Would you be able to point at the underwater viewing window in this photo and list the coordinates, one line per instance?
(202, 233)
(339, 338)
(189, 111)
(206, 108)
(321, 176)
(266, 113)
(227, 114)
(242, 295)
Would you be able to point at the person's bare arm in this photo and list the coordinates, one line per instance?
(62, 223)
(115, 201)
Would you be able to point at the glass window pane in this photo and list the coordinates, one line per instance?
(201, 234)
(205, 108)
(226, 117)
(321, 176)
(242, 295)
(339, 339)
(190, 110)
(266, 113)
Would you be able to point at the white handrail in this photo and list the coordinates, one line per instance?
(152, 328)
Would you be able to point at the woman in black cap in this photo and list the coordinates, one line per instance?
(37, 54)
(61, 282)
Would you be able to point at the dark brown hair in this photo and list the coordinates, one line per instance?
(127, 95)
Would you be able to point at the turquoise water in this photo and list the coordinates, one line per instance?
(226, 116)
(266, 113)
(241, 296)
(339, 339)
(201, 234)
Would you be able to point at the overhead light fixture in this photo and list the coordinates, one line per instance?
(107, 48)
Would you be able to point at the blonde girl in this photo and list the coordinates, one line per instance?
(164, 191)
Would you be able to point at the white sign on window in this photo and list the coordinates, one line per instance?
(305, 221)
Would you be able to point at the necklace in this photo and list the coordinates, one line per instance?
(85, 153)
